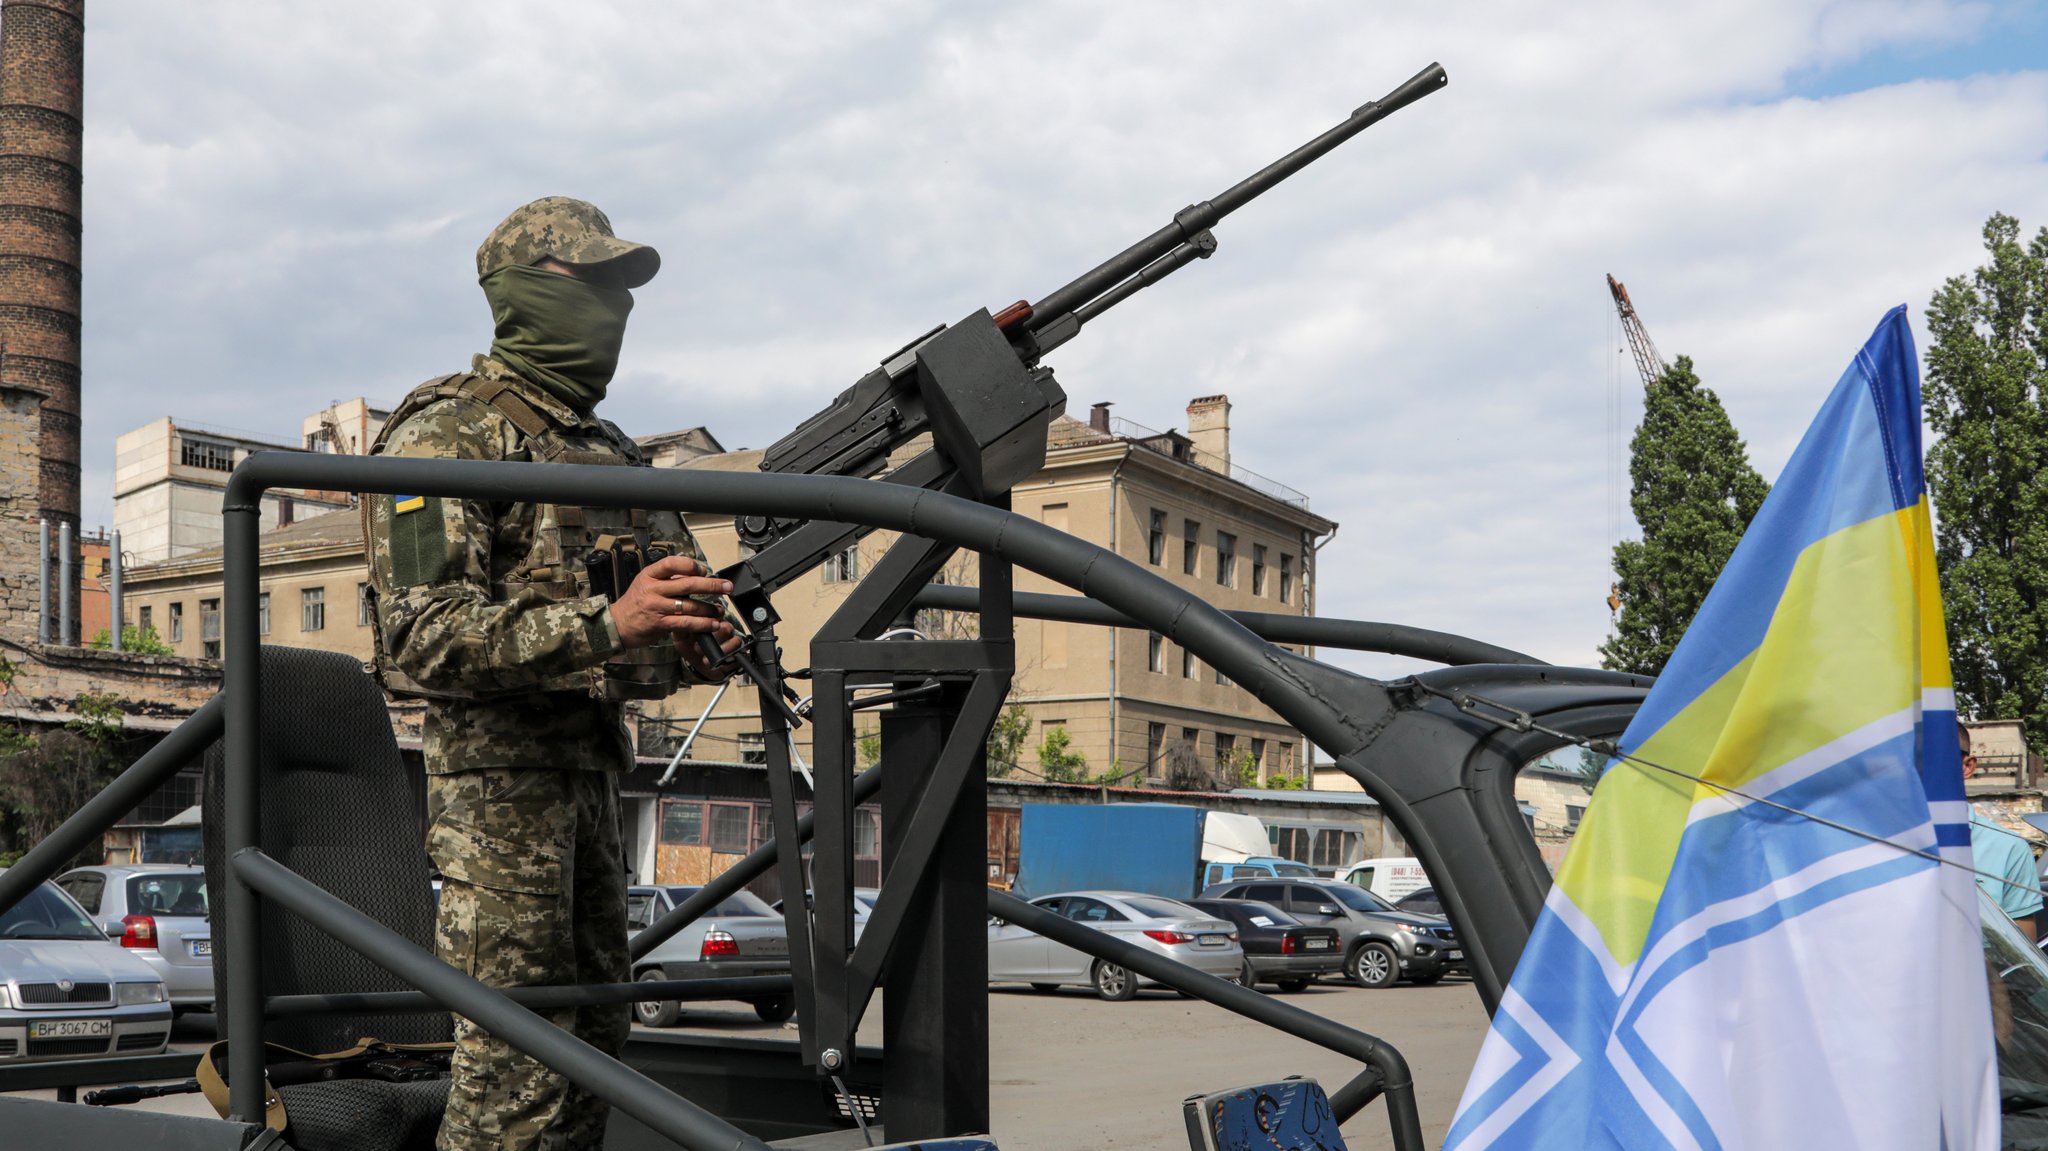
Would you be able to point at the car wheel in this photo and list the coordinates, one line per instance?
(1248, 977)
(1374, 964)
(1114, 983)
(1291, 986)
(776, 1010)
(660, 1012)
(1045, 988)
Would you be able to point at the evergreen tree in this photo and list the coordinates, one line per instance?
(1984, 399)
(1693, 492)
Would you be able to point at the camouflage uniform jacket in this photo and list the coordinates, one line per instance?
(520, 660)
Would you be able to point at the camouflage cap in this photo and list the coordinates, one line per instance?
(571, 231)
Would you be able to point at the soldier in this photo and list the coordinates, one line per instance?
(526, 626)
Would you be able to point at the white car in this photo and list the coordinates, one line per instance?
(1154, 922)
(158, 912)
(69, 992)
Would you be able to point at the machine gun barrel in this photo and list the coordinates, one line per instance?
(1196, 218)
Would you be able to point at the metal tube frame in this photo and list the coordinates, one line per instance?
(532, 998)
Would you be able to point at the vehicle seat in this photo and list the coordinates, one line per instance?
(339, 807)
(1291, 1115)
(189, 903)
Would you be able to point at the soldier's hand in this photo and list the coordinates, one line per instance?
(658, 608)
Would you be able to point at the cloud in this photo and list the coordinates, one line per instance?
(282, 206)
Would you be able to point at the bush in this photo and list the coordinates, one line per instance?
(141, 641)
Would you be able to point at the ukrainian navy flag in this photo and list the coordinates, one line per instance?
(1713, 972)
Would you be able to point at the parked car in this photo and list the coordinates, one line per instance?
(1257, 867)
(1278, 948)
(1389, 878)
(1423, 901)
(1154, 922)
(1381, 946)
(69, 992)
(158, 913)
(863, 906)
(739, 937)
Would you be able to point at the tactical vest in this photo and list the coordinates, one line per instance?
(576, 552)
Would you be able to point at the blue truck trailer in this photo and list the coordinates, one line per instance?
(1160, 848)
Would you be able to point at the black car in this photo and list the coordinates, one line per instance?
(1278, 948)
(1381, 946)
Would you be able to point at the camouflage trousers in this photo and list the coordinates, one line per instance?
(533, 891)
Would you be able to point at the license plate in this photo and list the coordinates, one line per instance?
(1317, 944)
(1456, 954)
(202, 948)
(1213, 940)
(70, 1028)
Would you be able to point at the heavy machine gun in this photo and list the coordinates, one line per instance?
(977, 387)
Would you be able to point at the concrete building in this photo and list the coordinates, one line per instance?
(168, 483)
(1130, 702)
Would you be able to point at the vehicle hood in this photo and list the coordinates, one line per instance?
(81, 960)
(1411, 918)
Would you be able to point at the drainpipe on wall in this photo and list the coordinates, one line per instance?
(1311, 563)
(114, 613)
(67, 587)
(43, 589)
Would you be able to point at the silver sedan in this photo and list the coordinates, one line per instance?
(1158, 924)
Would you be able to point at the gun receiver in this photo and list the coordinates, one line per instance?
(977, 386)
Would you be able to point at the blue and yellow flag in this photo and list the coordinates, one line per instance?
(1712, 972)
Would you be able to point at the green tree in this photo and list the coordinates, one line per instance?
(1693, 492)
(1058, 761)
(1987, 405)
(43, 779)
(134, 640)
(1006, 740)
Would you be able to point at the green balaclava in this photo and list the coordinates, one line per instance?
(558, 331)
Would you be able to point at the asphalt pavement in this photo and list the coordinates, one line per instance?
(1072, 1071)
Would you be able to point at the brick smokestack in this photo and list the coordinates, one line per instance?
(42, 73)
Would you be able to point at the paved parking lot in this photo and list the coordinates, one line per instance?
(1070, 1071)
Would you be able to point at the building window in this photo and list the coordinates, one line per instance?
(177, 623)
(1258, 753)
(682, 824)
(1155, 541)
(1226, 756)
(145, 620)
(1187, 664)
(313, 609)
(1190, 543)
(1155, 652)
(263, 613)
(1155, 742)
(732, 828)
(753, 747)
(1286, 578)
(1258, 569)
(364, 605)
(843, 567)
(1335, 847)
(1226, 560)
(202, 454)
(209, 628)
(1286, 763)
(1220, 677)
(1192, 736)
(867, 834)
(1573, 813)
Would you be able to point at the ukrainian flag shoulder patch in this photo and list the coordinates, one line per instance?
(403, 504)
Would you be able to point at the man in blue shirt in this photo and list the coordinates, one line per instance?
(2004, 859)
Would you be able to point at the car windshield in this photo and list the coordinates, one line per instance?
(2019, 1010)
(168, 893)
(1355, 898)
(45, 913)
(1294, 869)
(1153, 907)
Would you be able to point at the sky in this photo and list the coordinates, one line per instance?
(283, 202)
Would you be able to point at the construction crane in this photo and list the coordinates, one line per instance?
(1649, 364)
